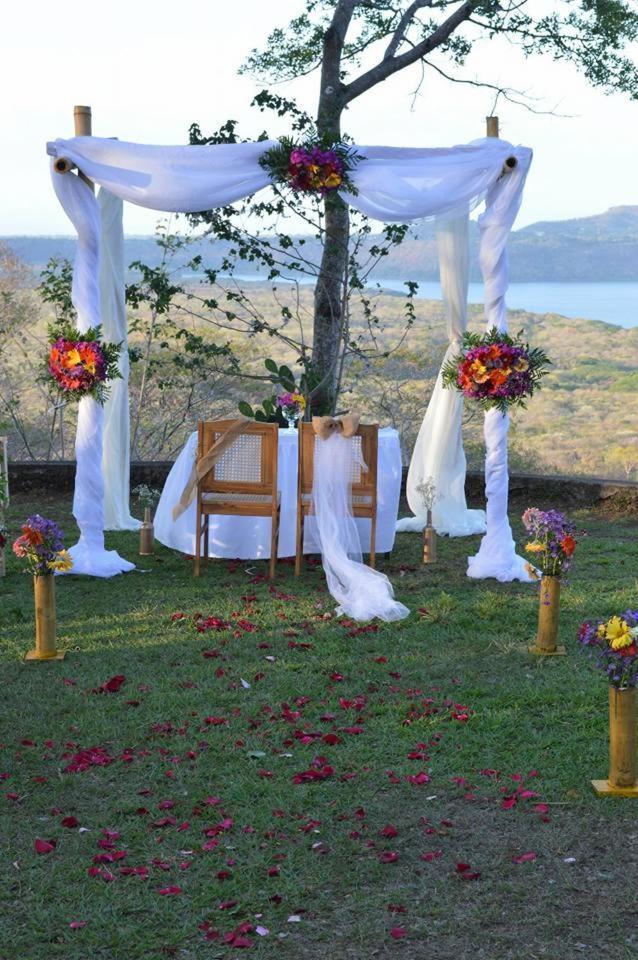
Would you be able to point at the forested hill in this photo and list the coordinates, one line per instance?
(600, 247)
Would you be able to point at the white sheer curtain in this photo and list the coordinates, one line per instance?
(497, 555)
(89, 554)
(116, 454)
(361, 592)
(393, 184)
(438, 451)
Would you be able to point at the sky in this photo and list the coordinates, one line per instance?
(150, 68)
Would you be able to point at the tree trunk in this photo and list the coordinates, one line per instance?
(329, 303)
(329, 290)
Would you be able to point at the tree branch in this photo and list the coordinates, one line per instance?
(399, 34)
(391, 65)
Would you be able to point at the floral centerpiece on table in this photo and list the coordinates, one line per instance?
(614, 644)
(311, 166)
(41, 544)
(496, 370)
(292, 405)
(551, 540)
(80, 364)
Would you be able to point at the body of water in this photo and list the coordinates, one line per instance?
(611, 302)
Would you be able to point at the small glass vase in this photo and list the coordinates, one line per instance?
(290, 415)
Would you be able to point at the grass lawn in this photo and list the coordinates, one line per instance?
(195, 828)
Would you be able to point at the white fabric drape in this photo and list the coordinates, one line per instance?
(175, 179)
(438, 451)
(361, 592)
(497, 555)
(393, 184)
(89, 555)
(116, 455)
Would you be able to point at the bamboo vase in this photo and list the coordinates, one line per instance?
(44, 595)
(147, 535)
(429, 540)
(622, 781)
(548, 610)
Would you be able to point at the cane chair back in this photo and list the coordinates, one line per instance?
(242, 481)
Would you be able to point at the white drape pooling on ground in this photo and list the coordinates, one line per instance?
(89, 555)
(497, 555)
(361, 592)
(438, 451)
(116, 455)
(393, 184)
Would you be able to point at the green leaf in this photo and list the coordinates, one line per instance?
(271, 365)
(246, 409)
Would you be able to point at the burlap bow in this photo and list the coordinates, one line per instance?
(347, 425)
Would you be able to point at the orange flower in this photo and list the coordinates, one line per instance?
(33, 537)
(568, 545)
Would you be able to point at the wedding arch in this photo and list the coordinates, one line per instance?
(391, 184)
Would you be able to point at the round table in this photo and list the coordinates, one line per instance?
(248, 538)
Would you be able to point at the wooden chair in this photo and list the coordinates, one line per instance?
(241, 483)
(364, 482)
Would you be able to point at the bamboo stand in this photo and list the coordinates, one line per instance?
(622, 781)
(429, 540)
(44, 593)
(548, 610)
(147, 534)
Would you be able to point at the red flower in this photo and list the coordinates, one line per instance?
(397, 933)
(170, 891)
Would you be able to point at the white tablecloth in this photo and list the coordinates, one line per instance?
(248, 538)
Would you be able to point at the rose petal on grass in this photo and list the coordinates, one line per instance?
(44, 846)
(524, 857)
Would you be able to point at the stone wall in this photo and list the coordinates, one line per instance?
(59, 476)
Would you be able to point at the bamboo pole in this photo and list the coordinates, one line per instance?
(623, 779)
(491, 126)
(492, 130)
(45, 620)
(82, 120)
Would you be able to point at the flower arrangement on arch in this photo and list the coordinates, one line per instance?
(551, 540)
(311, 166)
(80, 364)
(496, 370)
(41, 544)
(614, 644)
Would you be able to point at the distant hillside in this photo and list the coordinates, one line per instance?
(601, 247)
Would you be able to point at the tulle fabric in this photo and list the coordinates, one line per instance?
(361, 593)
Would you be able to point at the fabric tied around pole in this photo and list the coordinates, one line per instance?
(116, 454)
(497, 555)
(89, 554)
(438, 452)
(361, 592)
(202, 466)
